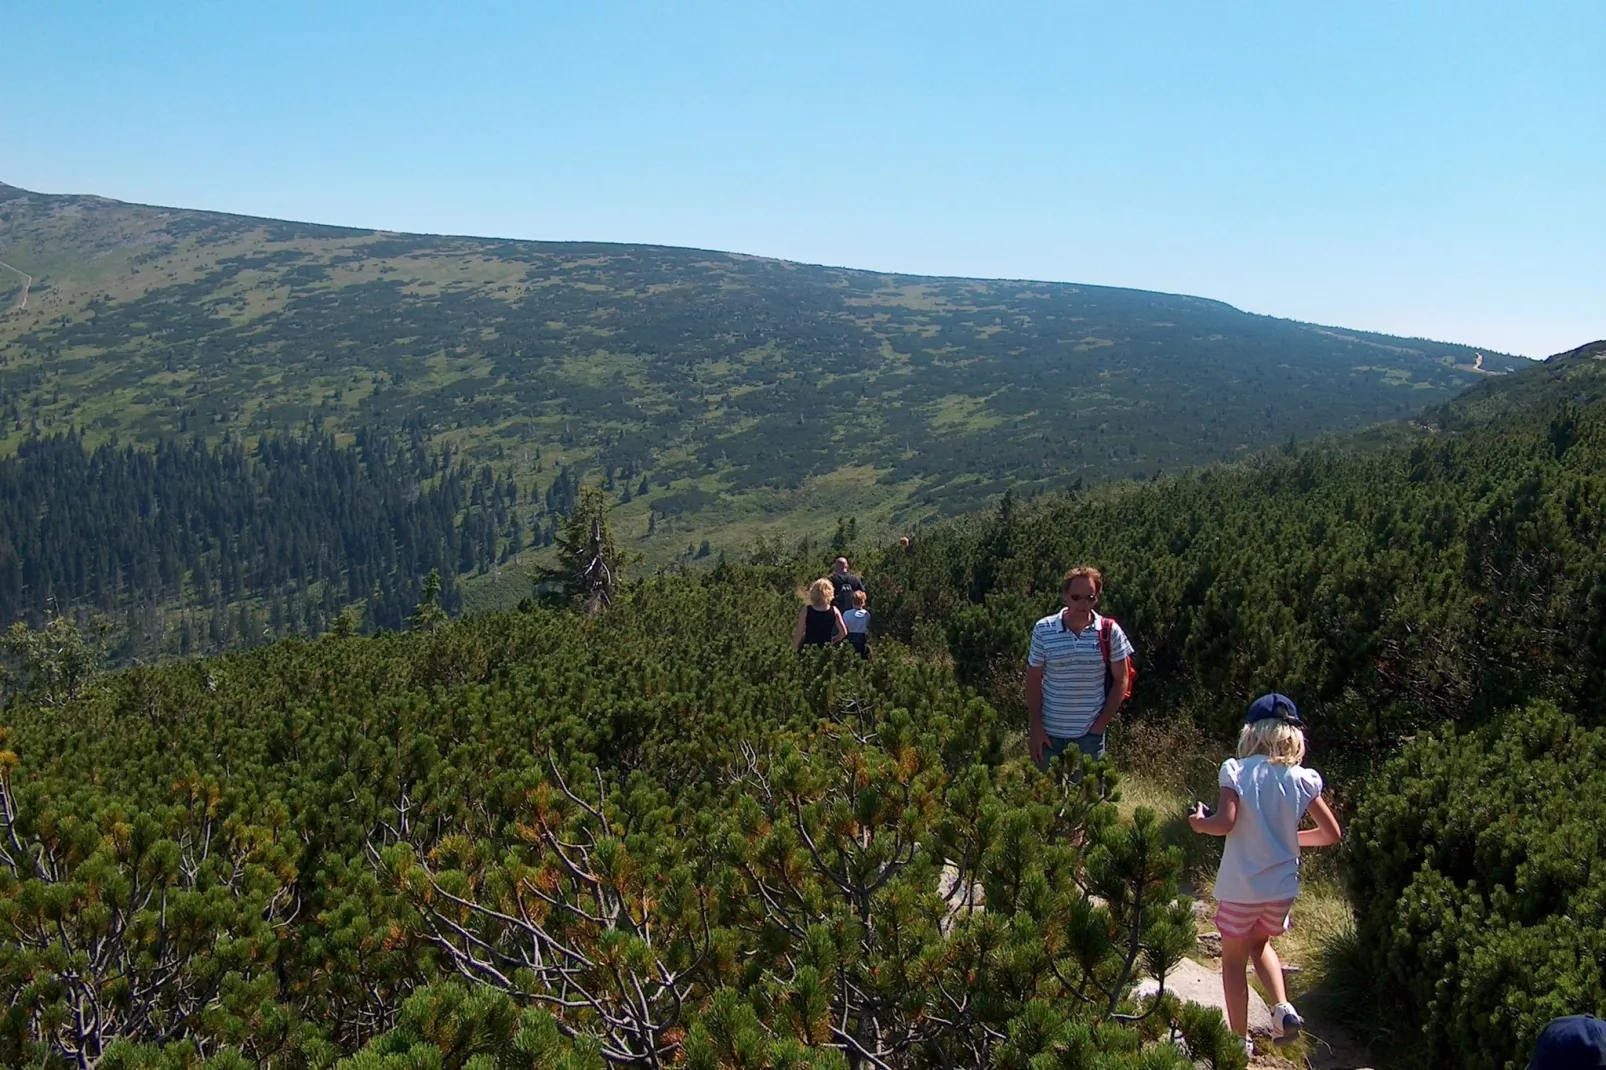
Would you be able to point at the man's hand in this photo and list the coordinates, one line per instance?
(1036, 737)
(1116, 696)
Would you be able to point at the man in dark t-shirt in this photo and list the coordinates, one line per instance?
(845, 583)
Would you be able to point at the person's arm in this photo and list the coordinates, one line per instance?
(841, 631)
(1036, 662)
(1036, 738)
(1117, 695)
(1221, 822)
(797, 633)
(1327, 831)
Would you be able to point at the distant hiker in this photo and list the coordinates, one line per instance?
(846, 583)
(1076, 673)
(1265, 794)
(857, 622)
(904, 542)
(819, 623)
(1576, 1042)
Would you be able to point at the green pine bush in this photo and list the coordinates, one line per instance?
(1474, 866)
(550, 840)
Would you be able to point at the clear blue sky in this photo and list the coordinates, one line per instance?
(1423, 168)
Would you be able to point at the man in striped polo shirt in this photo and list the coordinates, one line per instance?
(1067, 702)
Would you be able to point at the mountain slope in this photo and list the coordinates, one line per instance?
(1576, 377)
(733, 382)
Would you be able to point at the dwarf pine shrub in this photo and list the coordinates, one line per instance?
(652, 837)
(1475, 868)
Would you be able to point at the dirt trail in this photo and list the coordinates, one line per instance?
(1327, 1044)
(27, 284)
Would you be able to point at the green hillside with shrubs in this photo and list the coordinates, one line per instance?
(656, 836)
(1439, 579)
(716, 396)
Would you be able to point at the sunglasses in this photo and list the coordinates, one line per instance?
(1082, 598)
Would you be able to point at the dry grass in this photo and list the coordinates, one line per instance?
(1321, 914)
(1165, 766)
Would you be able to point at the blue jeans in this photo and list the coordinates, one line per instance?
(1091, 745)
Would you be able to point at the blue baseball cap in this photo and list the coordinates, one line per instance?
(1274, 705)
(1576, 1042)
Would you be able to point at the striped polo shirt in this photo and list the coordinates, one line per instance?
(1073, 672)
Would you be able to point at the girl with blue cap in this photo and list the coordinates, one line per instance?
(1265, 795)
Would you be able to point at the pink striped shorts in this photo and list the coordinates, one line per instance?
(1253, 921)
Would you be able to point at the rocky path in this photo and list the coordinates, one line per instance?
(1326, 1045)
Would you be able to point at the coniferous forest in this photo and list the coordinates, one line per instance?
(654, 835)
(191, 547)
(217, 430)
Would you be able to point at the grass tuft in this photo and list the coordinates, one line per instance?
(1166, 765)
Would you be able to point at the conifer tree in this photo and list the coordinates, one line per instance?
(590, 569)
(839, 540)
(429, 613)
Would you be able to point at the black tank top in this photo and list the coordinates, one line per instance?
(819, 626)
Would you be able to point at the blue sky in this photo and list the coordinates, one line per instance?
(1422, 168)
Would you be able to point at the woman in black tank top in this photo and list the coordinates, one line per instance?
(819, 623)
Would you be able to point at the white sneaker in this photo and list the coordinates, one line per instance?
(1285, 1022)
(1249, 1048)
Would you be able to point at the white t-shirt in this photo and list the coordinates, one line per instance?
(856, 620)
(1260, 863)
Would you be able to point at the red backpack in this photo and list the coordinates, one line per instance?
(1105, 630)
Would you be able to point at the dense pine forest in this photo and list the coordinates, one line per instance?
(654, 835)
(189, 547)
(1439, 607)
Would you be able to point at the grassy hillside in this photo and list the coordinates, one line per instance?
(719, 393)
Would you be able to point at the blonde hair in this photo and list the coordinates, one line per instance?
(1281, 742)
(859, 599)
(821, 591)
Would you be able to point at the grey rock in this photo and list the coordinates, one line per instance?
(1193, 983)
